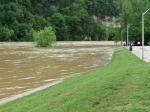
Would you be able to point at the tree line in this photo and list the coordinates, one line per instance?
(70, 19)
(131, 15)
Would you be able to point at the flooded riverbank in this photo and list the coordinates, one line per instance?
(24, 67)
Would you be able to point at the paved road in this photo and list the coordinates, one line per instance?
(137, 50)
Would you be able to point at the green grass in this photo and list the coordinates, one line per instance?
(121, 86)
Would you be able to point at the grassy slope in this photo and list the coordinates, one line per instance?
(121, 86)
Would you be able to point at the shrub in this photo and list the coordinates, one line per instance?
(5, 34)
(45, 37)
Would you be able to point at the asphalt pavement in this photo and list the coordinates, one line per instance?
(137, 50)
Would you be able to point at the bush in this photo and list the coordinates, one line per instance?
(45, 37)
(6, 34)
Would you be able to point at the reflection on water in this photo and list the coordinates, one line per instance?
(23, 67)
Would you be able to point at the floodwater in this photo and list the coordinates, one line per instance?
(24, 67)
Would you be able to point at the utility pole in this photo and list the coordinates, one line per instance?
(142, 36)
(128, 26)
(143, 39)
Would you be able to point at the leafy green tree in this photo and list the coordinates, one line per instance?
(5, 34)
(45, 37)
(70, 19)
(131, 12)
(39, 22)
(59, 24)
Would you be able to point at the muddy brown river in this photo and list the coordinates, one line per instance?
(24, 67)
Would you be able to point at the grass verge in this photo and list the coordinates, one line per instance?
(121, 86)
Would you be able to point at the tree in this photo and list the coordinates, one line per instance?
(59, 24)
(45, 37)
(131, 12)
(5, 34)
(70, 19)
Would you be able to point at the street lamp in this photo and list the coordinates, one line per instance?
(128, 26)
(143, 14)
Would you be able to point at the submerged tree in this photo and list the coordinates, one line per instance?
(45, 37)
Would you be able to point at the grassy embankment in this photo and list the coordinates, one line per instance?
(121, 86)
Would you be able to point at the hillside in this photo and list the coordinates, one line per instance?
(71, 20)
